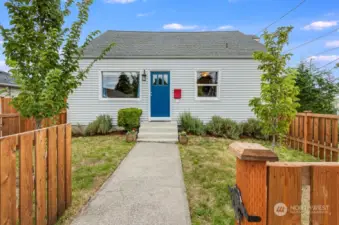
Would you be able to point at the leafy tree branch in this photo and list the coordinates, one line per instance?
(276, 106)
(44, 54)
(318, 89)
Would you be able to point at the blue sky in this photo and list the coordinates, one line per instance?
(312, 19)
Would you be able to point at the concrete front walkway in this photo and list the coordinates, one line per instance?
(146, 189)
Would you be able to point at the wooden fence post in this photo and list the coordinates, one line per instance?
(251, 177)
(306, 130)
(1, 112)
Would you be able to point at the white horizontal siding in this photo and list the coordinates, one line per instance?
(12, 92)
(239, 82)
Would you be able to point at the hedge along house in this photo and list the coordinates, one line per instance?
(168, 73)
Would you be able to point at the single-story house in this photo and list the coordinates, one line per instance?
(168, 73)
(6, 81)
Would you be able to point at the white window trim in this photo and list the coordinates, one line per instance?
(196, 85)
(120, 99)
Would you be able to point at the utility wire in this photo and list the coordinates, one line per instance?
(327, 50)
(283, 16)
(329, 63)
(313, 40)
(334, 67)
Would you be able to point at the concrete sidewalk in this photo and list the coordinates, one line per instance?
(146, 189)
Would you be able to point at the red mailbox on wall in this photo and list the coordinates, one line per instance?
(177, 93)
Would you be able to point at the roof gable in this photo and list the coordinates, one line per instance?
(134, 44)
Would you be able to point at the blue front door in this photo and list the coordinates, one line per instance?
(160, 94)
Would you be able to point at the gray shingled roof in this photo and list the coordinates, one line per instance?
(135, 44)
(7, 80)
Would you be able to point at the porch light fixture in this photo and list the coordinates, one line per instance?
(144, 76)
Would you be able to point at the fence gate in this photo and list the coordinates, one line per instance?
(35, 176)
(303, 193)
(292, 193)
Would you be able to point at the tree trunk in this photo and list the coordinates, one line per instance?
(274, 134)
(38, 124)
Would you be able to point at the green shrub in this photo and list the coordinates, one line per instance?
(252, 128)
(102, 125)
(191, 124)
(232, 129)
(129, 118)
(215, 126)
(78, 130)
(221, 127)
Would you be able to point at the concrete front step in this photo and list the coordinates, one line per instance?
(166, 129)
(158, 135)
(166, 132)
(159, 124)
(158, 140)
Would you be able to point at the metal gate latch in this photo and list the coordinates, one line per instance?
(239, 208)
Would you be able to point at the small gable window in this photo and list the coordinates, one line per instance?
(120, 84)
(207, 84)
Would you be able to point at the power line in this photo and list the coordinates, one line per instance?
(313, 40)
(326, 51)
(334, 67)
(337, 59)
(302, 2)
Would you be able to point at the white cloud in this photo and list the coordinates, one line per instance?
(332, 44)
(3, 66)
(330, 14)
(323, 58)
(119, 1)
(145, 14)
(226, 27)
(177, 26)
(320, 25)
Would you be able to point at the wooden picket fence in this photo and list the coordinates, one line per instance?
(12, 123)
(285, 193)
(35, 175)
(309, 191)
(315, 134)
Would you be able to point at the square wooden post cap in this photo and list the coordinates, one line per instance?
(252, 152)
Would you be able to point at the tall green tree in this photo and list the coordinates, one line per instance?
(43, 53)
(124, 84)
(317, 89)
(276, 106)
(135, 85)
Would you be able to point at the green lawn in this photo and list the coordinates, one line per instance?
(208, 169)
(94, 160)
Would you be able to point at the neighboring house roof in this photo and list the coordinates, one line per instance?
(135, 44)
(6, 80)
(254, 37)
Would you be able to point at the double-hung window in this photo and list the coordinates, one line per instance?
(207, 84)
(121, 84)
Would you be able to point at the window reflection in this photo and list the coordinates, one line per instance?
(120, 84)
